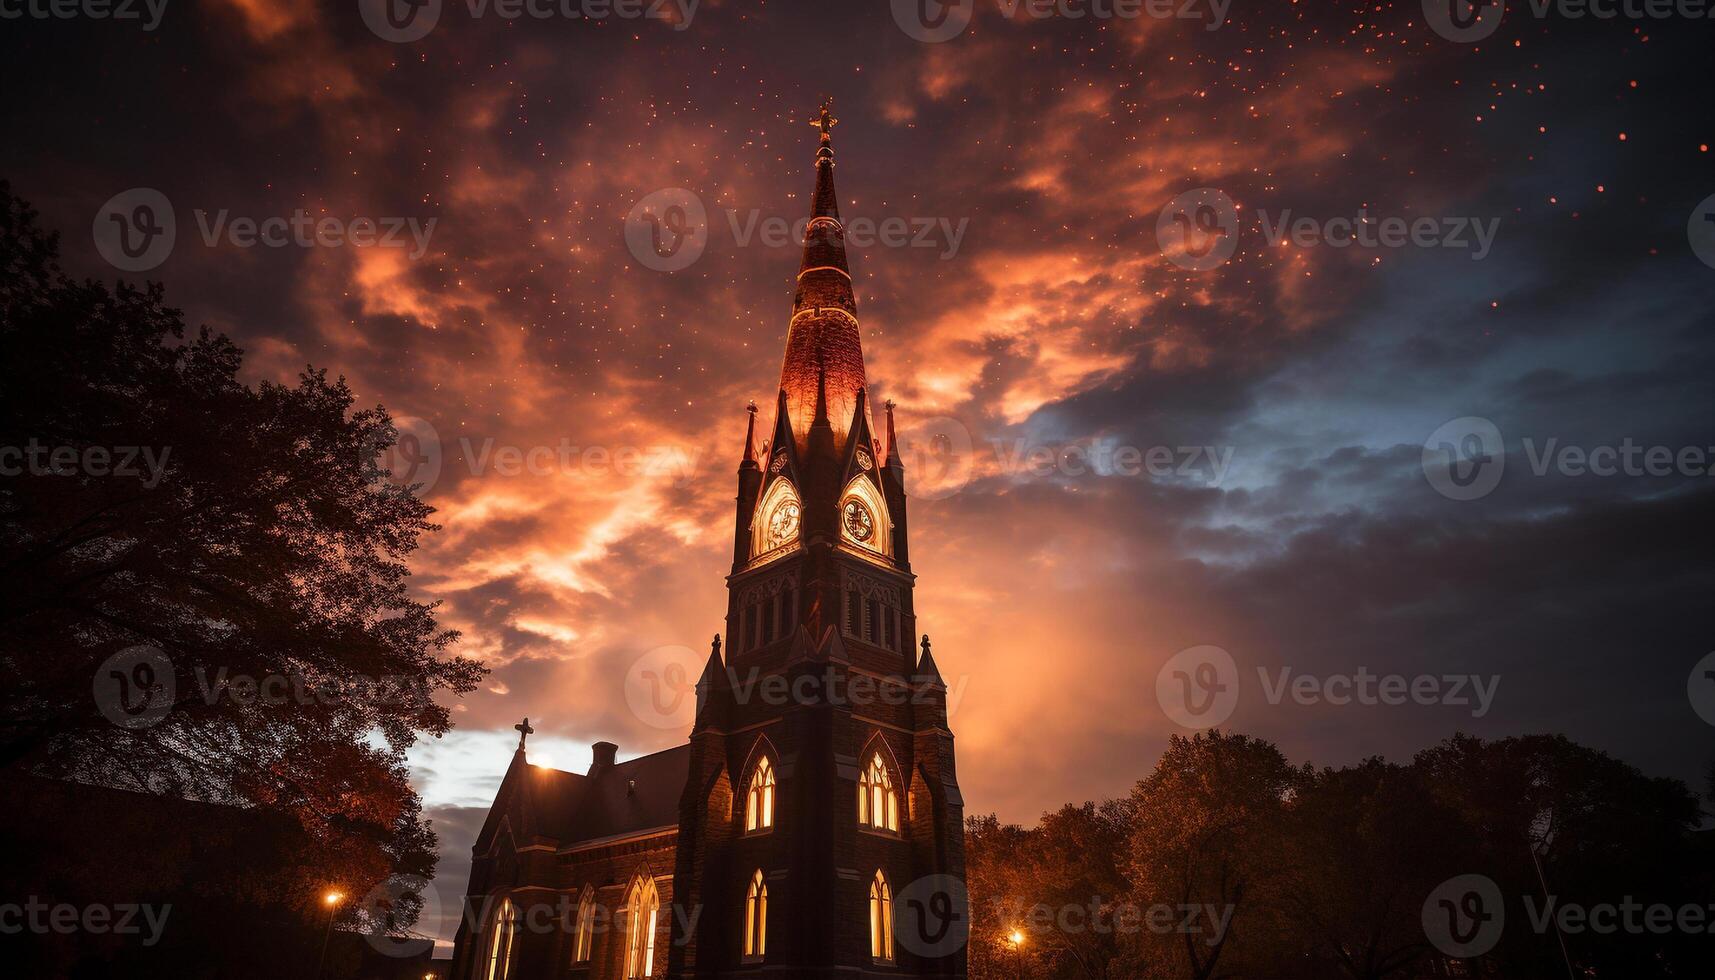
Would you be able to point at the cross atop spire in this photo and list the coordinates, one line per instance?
(524, 731)
(826, 121)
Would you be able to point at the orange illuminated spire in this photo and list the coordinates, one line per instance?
(822, 341)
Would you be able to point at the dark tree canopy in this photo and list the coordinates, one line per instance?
(1326, 873)
(243, 535)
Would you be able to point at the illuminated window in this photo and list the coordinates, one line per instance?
(756, 918)
(641, 914)
(586, 927)
(500, 940)
(878, 805)
(759, 805)
(881, 919)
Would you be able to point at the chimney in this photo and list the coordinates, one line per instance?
(605, 753)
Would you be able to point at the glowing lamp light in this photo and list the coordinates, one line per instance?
(1016, 938)
(332, 898)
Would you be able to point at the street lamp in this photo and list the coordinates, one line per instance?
(332, 900)
(1015, 940)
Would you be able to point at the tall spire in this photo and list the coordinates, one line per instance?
(824, 280)
(893, 459)
(824, 356)
(749, 459)
(825, 204)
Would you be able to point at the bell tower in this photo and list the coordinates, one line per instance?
(821, 497)
(821, 675)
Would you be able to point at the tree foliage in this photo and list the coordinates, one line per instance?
(243, 531)
(1326, 873)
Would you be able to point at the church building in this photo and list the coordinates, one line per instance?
(814, 810)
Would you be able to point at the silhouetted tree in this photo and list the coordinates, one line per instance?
(1551, 821)
(996, 874)
(1077, 859)
(1365, 846)
(244, 532)
(1208, 836)
(1058, 887)
(1327, 873)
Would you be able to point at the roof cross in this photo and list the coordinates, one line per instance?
(826, 120)
(524, 731)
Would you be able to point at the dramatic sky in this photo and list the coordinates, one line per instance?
(1313, 374)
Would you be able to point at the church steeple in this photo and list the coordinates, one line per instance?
(821, 596)
(822, 511)
(824, 356)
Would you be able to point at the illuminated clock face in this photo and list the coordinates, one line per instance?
(858, 522)
(783, 524)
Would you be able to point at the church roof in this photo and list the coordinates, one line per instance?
(640, 794)
(612, 801)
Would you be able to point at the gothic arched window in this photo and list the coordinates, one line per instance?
(878, 804)
(759, 801)
(586, 927)
(500, 938)
(756, 918)
(641, 914)
(881, 919)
